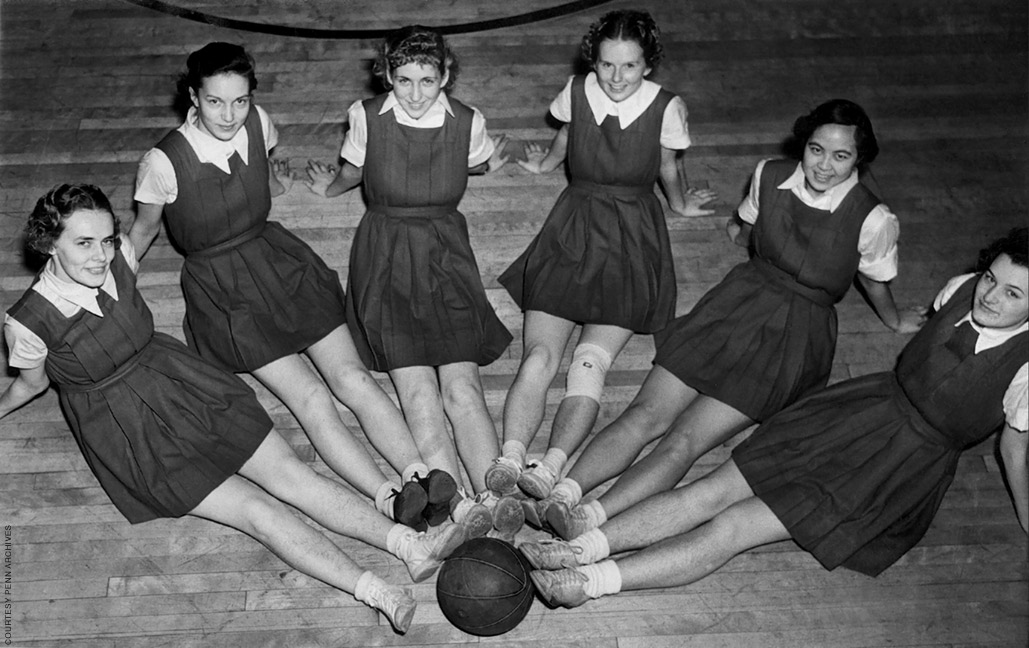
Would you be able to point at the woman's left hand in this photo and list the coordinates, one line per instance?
(498, 159)
(911, 319)
(282, 173)
(694, 200)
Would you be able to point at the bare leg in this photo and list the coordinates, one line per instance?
(577, 414)
(677, 511)
(345, 373)
(652, 411)
(241, 505)
(304, 393)
(683, 559)
(277, 469)
(705, 424)
(419, 393)
(474, 432)
(544, 337)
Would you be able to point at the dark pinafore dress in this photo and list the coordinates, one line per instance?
(857, 471)
(254, 292)
(414, 294)
(603, 254)
(766, 334)
(158, 426)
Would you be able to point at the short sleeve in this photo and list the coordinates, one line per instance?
(155, 179)
(480, 148)
(128, 252)
(26, 349)
(561, 106)
(949, 289)
(355, 144)
(1016, 401)
(675, 131)
(271, 135)
(748, 209)
(877, 244)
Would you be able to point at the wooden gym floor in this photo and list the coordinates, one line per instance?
(86, 86)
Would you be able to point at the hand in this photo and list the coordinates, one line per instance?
(320, 176)
(498, 159)
(910, 319)
(733, 229)
(534, 156)
(282, 173)
(694, 199)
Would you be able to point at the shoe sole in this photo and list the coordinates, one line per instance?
(534, 486)
(501, 479)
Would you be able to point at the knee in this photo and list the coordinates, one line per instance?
(540, 363)
(261, 516)
(462, 395)
(588, 371)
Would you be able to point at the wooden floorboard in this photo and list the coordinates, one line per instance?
(86, 87)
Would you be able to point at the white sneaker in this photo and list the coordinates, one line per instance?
(423, 553)
(394, 601)
(474, 515)
(502, 475)
(537, 481)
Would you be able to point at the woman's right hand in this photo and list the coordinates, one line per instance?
(534, 156)
(320, 176)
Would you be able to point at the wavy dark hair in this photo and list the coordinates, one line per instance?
(415, 44)
(46, 222)
(1015, 244)
(845, 113)
(626, 25)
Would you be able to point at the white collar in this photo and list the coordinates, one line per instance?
(990, 337)
(829, 200)
(433, 117)
(627, 110)
(69, 296)
(210, 149)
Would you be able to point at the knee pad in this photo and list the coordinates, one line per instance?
(587, 372)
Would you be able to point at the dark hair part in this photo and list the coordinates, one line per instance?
(214, 59)
(415, 44)
(626, 25)
(844, 113)
(46, 222)
(1015, 244)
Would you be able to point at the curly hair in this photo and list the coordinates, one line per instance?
(1015, 244)
(214, 59)
(844, 113)
(46, 222)
(624, 25)
(415, 44)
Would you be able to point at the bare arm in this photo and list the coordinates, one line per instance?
(738, 230)
(905, 320)
(145, 227)
(280, 177)
(328, 181)
(1014, 451)
(682, 199)
(545, 160)
(27, 385)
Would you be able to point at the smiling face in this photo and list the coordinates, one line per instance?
(222, 103)
(83, 252)
(1002, 295)
(830, 156)
(416, 87)
(620, 68)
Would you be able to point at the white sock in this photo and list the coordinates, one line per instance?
(364, 583)
(594, 546)
(515, 451)
(417, 468)
(567, 491)
(555, 460)
(595, 511)
(604, 578)
(383, 501)
(396, 534)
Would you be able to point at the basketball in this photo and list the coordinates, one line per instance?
(484, 587)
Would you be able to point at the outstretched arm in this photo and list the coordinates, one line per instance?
(328, 181)
(280, 177)
(545, 160)
(145, 227)
(1014, 451)
(29, 384)
(903, 320)
(682, 199)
